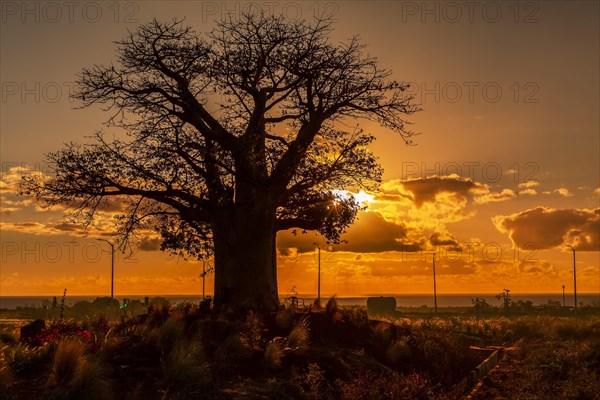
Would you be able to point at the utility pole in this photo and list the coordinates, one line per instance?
(112, 267)
(318, 273)
(434, 287)
(203, 276)
(574, 278)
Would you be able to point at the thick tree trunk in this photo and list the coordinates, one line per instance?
(245, 265)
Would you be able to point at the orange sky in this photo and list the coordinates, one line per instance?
(509, 151)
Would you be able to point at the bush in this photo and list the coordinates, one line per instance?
(284, 319)
(170, 333)
(399, 353)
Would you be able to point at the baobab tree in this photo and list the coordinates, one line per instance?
(228, 137)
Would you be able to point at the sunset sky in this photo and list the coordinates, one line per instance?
(505, 172)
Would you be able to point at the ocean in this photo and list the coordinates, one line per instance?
(402, 300)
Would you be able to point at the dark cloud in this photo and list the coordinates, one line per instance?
(442, 239)
(422, 190)
(67, 227)
(425, 189)
(546, 228)
(150, 244)
(370, 234)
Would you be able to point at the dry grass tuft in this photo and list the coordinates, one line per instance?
(91, 382)
(273, 354)
(186, 370)
(299, 336)
(67, 360)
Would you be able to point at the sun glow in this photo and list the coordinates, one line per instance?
(361, 197)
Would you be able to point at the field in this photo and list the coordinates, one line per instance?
(186, 352)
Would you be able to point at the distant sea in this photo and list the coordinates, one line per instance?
(402, 300)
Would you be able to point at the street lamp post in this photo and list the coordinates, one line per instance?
(318, 273)
(112, 267)
(574, 278)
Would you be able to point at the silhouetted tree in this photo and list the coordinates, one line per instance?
(231, 136)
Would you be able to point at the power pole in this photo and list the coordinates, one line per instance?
(112, 267)
(574, 278)
(434, 287)
(318, 273)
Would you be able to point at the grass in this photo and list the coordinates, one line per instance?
(298, 337)
(186, 371)
(332, 352)
(68, 358)
(556, 358)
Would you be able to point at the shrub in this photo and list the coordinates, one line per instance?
(331, 308)
(231, 351)
(382, 334)
(312, 384)
(170, 332)
(284, 319)
(399, 353)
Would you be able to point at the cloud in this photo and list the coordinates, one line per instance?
(442, 239)
(563, 192)
(529, 184)
(505, 194)
(150, 244)
(528, 192)
(421, 190)
(542, 268)
(547, 228)
(370, 234)
(428, 190)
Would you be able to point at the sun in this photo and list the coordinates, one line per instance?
(361, 197)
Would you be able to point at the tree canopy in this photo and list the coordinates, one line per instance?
(258, 117)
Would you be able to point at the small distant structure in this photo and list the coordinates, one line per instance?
(381, 305)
